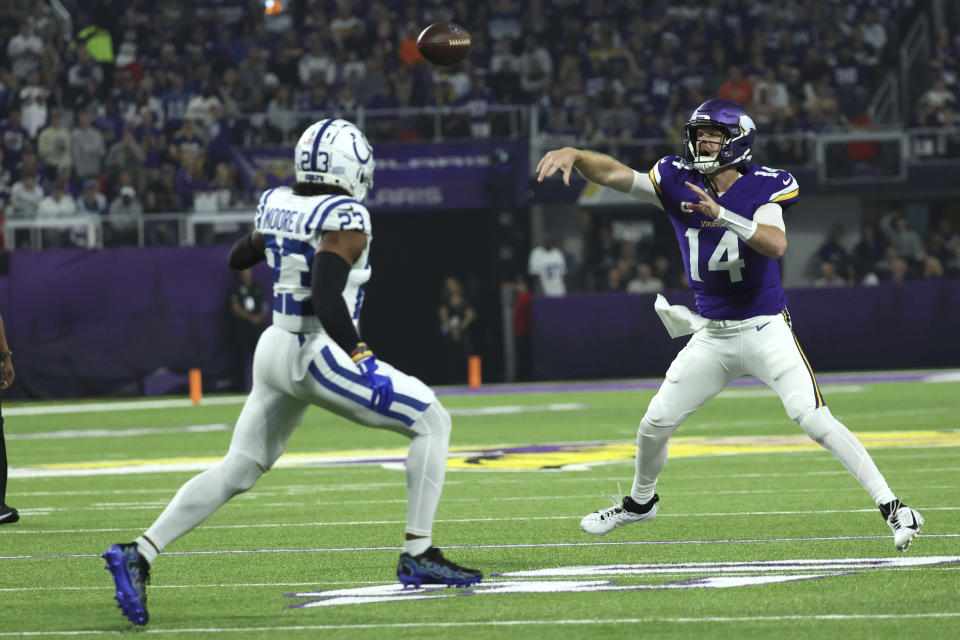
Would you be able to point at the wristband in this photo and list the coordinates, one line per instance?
(361, 352)
(741, 226)
(5, 354)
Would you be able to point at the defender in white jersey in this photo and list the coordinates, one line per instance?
(316, 238)
(728, 218)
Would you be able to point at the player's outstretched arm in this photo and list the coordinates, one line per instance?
(598, 168)
(247, 251)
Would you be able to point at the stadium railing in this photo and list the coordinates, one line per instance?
(843, 158)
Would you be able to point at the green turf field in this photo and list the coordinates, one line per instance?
(743, 485)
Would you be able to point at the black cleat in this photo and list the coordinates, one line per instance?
(430, 567)
(8, 515)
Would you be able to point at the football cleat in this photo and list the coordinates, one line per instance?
(131, 572)
(903, 521)
(430, 567)
(8, 515)
(606, 520)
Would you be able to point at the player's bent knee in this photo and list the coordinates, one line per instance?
(658, 415)
(240, 471)
(651, 431)
(818, 423)
(435, 420)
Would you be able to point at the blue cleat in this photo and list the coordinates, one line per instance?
(130, 575)
(430, 567)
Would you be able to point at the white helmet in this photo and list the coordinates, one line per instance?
(335, 151)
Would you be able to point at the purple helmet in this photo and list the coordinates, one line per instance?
(740, 132)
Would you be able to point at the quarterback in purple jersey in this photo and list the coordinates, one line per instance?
(728, 217)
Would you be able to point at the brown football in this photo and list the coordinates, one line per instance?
(444, 43)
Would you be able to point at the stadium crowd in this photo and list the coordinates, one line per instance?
(886, 250)
(138, 108)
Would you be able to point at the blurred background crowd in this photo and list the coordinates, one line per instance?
(136, 108)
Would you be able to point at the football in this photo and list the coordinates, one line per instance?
(444, 43)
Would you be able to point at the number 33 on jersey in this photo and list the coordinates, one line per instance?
(729, 279)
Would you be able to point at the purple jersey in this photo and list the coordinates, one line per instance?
(730, 280)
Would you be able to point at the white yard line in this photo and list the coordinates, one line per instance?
(829, 617)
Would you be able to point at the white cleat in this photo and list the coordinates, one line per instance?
(905, 524)
(606, 520)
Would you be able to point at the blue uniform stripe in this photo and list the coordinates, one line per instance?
(314, 214)
(331, 207)
(286, 304)
(260, 207)
(316, 143)
(346, 393)
(353, 376)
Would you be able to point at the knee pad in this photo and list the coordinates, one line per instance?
(239, 471)
(818, 423)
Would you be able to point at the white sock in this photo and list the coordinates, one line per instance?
(416, 546)
(426, 467)
(146, 549)
(651, 458)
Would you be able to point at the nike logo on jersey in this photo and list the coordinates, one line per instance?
(761, 326)
(786, 180)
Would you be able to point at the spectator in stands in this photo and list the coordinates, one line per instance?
(887, 268)
(25, 196)
(833, 251)
(873, 30)
(33, 101)
(151, 139)
(84, 73)
(6, 184)
(316, 67)
(219, 136)
(91, 201)
(54, 145)
(187, 180)
(931, 267)
(951, 237)
(124, 213)
(13, 137)
(953, 265)
(898, 232)
(868, 252)
(126, 156)
(737, 87)
(644, 281)
(87, 147)
(109, 123)
(379, 127)
(281, 118)
(24, 51)
(59, 204)
(829, 276)
(548, 267)
(187, 138)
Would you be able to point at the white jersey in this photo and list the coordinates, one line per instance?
(291, 226)
(551, 267)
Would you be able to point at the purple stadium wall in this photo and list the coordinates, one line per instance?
(847, 328)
